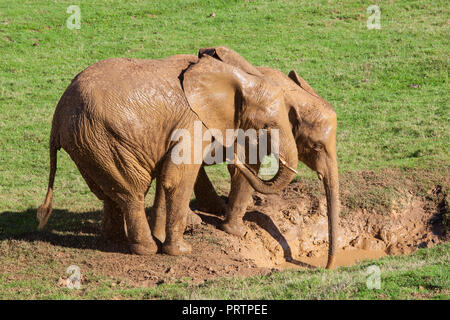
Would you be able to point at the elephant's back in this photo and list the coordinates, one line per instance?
(117, 71)
(126, 102)
(131, 82)
(121, 90)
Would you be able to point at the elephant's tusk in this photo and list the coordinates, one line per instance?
(284, 163)
(236, 158)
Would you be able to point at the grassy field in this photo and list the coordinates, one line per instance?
(388, 86)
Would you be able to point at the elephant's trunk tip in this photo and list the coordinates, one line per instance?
(331, 262)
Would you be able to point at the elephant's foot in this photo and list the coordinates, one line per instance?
(234, 227)
(144, 249)
(176, 248)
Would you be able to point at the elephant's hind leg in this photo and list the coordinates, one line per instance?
(124, 217)
(113, 224)
(125, 183)
(139, 236)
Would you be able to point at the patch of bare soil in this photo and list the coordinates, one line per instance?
(292, 229)
(289, 230)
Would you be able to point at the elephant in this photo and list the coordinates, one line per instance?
(117, 118)
(314, 125)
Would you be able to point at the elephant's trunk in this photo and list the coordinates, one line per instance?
(286, 171)
(331, 185)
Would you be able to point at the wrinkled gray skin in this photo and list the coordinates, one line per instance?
(116, 120)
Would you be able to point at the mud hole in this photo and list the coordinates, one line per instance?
(283, 231)
(291, 230)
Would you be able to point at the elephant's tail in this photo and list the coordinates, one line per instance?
(45, 210)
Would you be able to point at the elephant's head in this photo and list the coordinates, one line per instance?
(228, 97)
(313, 122)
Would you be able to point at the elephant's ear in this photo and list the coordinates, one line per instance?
(219, 94)
(230, 57)
(301, 82)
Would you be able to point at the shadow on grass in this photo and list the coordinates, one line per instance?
(79, 230)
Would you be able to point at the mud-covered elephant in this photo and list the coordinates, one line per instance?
(117, 118)
(313, 123)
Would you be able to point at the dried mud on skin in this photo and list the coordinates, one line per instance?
(283, 231)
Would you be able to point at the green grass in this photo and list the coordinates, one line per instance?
(422, 275)
(389, 88)
(383, 121)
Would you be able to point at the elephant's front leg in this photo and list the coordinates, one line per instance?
(238, 200)
(139, 236)
(177, 183)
